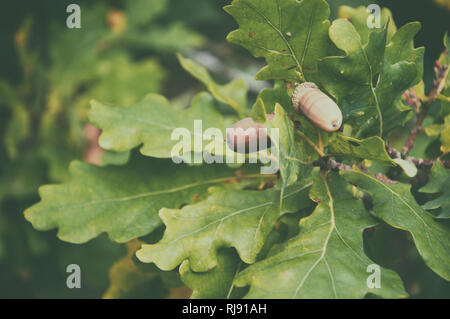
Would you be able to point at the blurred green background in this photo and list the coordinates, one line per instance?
(125, 49)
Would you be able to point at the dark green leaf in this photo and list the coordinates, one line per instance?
(291, 35)
(439, 182)
(216, 283)
(326, 259)
(121, 200)
(395, 204)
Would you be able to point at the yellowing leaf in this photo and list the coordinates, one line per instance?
(125, 276)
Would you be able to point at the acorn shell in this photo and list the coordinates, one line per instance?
(250, 133)
(317, 106)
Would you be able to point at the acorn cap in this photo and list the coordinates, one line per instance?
(299, 90)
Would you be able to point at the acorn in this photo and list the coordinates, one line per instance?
(246, 133)
(318, 107)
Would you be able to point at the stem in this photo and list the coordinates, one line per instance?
(442, 73)
(298, 160)
(420, 162)
(257, 176)
(314, 146)
(319, 138)
(332, 164)
(380, 115)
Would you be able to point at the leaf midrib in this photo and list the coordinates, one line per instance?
(325, 245)
(233, 214)
(333, 227)
(286, 42)
(147, 194)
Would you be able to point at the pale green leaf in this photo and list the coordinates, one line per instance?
(289, 153)
(121, 200)
(233, 94)
(371, 148)
(123, 82)
(227, 218)
(286, 150)
(359, 16)
(152, 121)
(409, 168)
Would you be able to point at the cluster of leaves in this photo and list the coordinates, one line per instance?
(114, 57)
(230, 232)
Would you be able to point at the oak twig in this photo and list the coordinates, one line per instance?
(328, 164)
(419, 162)
(441, 75)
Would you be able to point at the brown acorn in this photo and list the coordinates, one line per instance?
(317, 106)
(246, 133)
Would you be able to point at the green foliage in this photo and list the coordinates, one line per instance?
(233, 94)
(371, 148)
(125, 275)
(43, 112)
(358, 17)
(290, 35)
(240, 219)
(151, 123)
(439, 183)
(228, 231)
(137, 28)
(326, 259)
(92, 201)
(217, 283)
(395, 205)
(372, 76)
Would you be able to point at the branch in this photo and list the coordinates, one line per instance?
(412, 99)
(329, 164)
(441, 75)
(419, 162)
(325, 164)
